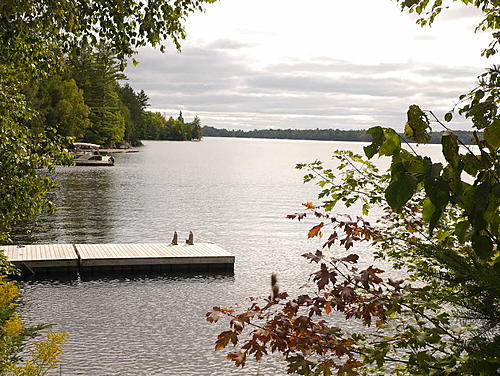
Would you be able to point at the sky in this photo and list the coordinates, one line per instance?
(248, 64)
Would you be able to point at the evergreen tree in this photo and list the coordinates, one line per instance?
(197, 133)
(180, 118)
(97, 74)
(136, 104)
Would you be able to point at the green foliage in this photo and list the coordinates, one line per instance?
(23, 152)
(156, 127)
(35, 36)
(96, 73)
(34, 33)
(417, 126)
(60, 104)
(44, 354)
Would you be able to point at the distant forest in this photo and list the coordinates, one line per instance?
(317, 134)
(86, 102)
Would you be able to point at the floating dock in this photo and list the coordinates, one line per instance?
(88, 258)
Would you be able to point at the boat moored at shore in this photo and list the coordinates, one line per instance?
(87, 154)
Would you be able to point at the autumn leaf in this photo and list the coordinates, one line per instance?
(224, 338)
(328, 308)
(314, 257)
(315, 231)
(239, 358)
(352, 258)
(324, 276)
(213, 316)
(309, 205)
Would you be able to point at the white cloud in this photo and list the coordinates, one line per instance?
(286, 64)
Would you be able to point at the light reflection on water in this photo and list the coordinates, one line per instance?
(233, 192)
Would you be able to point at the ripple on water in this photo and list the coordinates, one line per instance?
(233, 192)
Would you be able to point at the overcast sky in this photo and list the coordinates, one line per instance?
(312, 64)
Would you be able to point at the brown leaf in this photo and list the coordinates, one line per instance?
(224, 338)
(315, 231)
(213, 316)
(314, 257)
(239, 358)
(352, 258)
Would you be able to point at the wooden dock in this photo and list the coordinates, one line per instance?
(88, 258)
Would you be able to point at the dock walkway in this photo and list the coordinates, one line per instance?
(85, 258)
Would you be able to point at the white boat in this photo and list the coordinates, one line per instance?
(89, 155)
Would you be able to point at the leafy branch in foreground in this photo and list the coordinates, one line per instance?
(436, 311)
(43, 354)
(421, 326)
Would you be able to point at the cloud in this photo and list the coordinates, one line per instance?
(227, 89)
(227, 44)
(460, 13)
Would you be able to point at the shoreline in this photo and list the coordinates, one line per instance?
(119, 151)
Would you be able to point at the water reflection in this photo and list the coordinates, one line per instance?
(85, 199)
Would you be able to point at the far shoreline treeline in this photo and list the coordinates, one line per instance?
(86, 101)
(357, 135)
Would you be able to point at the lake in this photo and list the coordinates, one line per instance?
(233, 192)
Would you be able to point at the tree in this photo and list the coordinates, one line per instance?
(35, 38)
(60, 105)
(196, 133)
(157, 128)
(97, 74)
(441, 227)
(136, 104)
(155, 125)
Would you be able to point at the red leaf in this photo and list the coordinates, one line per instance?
(328, 308)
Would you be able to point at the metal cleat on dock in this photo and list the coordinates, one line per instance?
(190, 239)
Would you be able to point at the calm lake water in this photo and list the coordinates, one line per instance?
(233, 192)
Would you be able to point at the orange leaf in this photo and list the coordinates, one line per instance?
(328, 308)
(309, 205)
(315, 231)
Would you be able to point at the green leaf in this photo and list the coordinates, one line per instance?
(417, 125)
(482, 245)
(450, 148)
(448, 117)
(428, 211)
(461, 231)
(391, 144)
(471, 163)
(377, 134)
(438, 191)
(400, 190)
(492, 135)
(431, 214)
